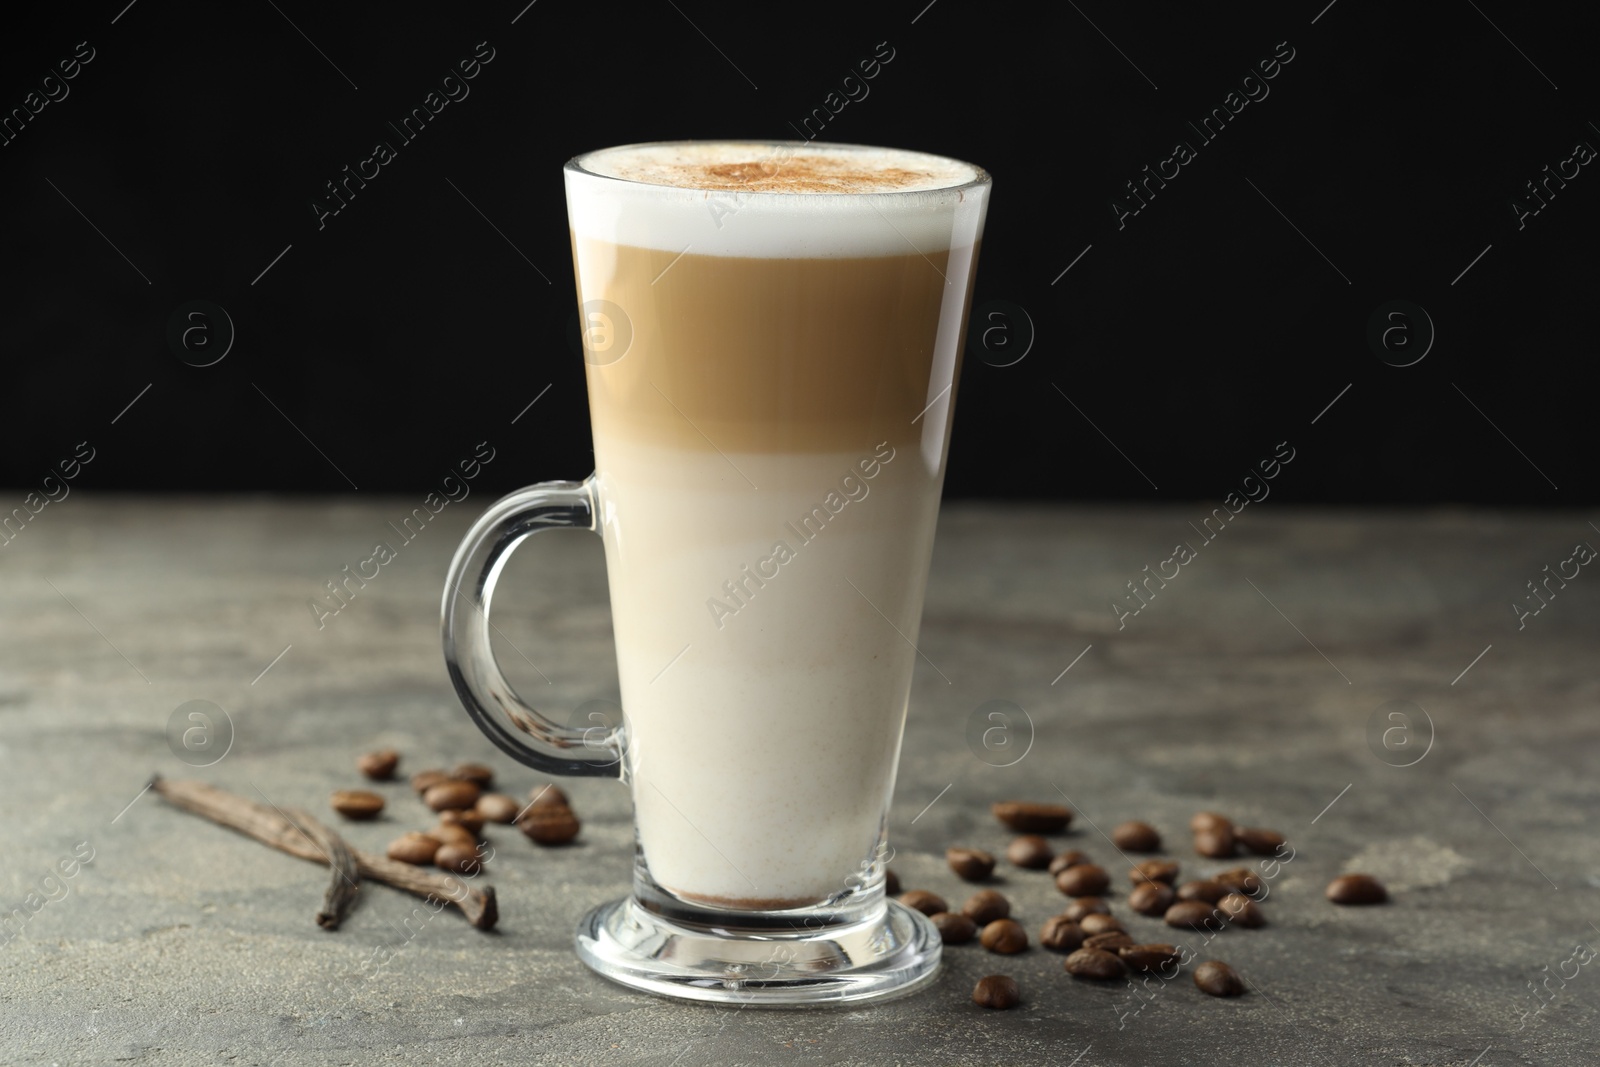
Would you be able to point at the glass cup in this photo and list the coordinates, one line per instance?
(771, 377)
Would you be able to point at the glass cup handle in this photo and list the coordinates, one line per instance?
(522, 731)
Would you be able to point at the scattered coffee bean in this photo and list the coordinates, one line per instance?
(1154, 957)
(1241, 910)
(954, 929)
(1096, 964)
(1070, 858)
(1154, 871)
(549, 795)
(357, 803)
(1028, 818)
(1086, 906)
(1218, 979)
(549, 826)
(1084, 880)
(969, 864)
(452, 793)
(997, 991)
(1194, 913)
(1005, 936)
(985, 906)
(923, 901)
(1241, 880)
(379, 765)
(497, 807)
(1151, 898)
(1110, 941)
(1098, 924)
(1214, 844)
(1356, 889)
(1030, 852)
(1209, 820)
(414, 848)
(422, 781)
(453, 834)
(476, 773)
(458, 858)
(1136, 837)
(1207, 890)
(470, 819)
(891, 882)
(1061, 933)
(1261, 842)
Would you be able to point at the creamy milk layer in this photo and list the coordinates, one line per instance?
(763, 669)
(782, 199)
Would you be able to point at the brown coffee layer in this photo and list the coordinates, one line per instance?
(769, 354)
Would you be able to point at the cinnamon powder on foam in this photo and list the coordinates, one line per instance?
(797, 174)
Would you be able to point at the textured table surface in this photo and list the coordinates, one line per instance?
(1246, 686)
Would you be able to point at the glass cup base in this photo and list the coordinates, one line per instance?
(892, 951)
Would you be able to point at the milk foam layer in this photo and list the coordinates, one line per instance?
(776, 199)
(766, 168)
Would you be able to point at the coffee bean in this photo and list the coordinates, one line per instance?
(414, 848)
(1096, 964)
(1209, 820)
(1098, 924)
(452, 834)
(954, 929)
(1070, 858)
(549, 795)
(1218, 979)
(923, 901)
(453, 793)
(357, 804)
(549, 826)
(985, 906)
(969, 864)
(1241, 910)
(1194, 913)
(1153, 957)
(1030, 852)
(1005, 936)
(1241, 880)
(470, 819)
(1084, 880)
(997, 991)
(1086, 906)
(1110, 941)
(422, 781)
(1356, 889)
(379, 765)
(1061, 933)
(1215, 844)
(1208, 891)
(476, 773)
(1136, 837)
(891, 882)
(1151, 898)
(1154, 871)
(458, 858)
(497, 807)
(1261, 842)
(1029, 818)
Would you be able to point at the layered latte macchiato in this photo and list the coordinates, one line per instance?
(769, 452)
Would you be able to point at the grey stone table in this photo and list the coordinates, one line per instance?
(1249, 685)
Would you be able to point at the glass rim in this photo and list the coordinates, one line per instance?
(980, 177)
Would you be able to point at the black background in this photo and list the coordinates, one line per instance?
(1195, 338)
